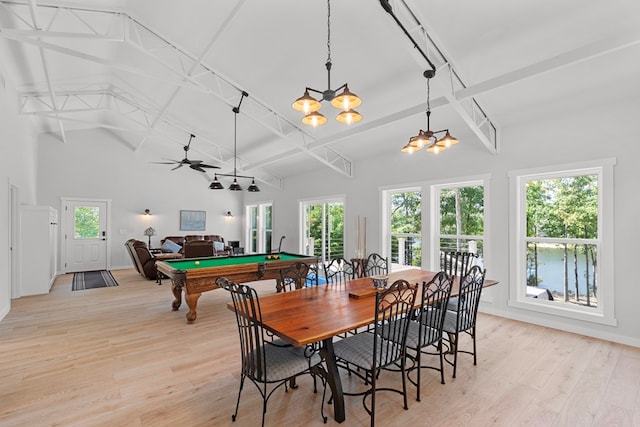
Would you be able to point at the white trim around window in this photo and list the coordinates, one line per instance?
(605, 312)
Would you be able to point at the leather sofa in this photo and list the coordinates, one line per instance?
(181, 240)
(143, 260)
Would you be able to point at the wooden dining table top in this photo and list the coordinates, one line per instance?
(308, 315)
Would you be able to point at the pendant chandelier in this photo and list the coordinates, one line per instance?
(427, 138)
(345, 101)
(216, 184)
(424, 138)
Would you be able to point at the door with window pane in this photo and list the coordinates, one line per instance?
(85, 235)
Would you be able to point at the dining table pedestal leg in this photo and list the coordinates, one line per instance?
(333, 378)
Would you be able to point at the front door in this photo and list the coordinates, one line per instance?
(85, 235)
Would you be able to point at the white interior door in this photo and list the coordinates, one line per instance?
(85, 235)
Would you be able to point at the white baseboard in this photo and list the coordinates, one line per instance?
(5, 310)
(575, 329)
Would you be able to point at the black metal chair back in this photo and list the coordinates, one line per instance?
(456, 263)
(294, 277)
(393, 309)
(469, 298)
(252, 336)
(339, 270)
(376, 265)
(435, 296)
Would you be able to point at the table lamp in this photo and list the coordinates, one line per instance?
(150, 231)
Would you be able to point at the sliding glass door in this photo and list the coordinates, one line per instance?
(323, 228)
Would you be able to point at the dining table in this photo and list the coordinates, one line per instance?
(317, 314)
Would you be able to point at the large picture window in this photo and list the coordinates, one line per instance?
(562, 250)
(403, 227)
(460, 218)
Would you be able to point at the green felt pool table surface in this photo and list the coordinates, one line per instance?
(191, 263)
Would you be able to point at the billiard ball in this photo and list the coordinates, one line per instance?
(197, 262)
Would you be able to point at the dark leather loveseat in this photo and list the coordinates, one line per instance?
(223, 250)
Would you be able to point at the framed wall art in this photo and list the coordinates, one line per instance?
(193, 220)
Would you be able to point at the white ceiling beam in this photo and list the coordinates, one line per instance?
(194, 67)
(34, 18)
(574, 56)
(222, 88)
(473, 113)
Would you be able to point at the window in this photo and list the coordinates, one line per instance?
(562, 241)
(323, 228)
(403, 218)
(86, 222)
(259, 228)
(459, 219)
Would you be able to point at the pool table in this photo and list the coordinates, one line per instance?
(197, 275)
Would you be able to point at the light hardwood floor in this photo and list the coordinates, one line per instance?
(120, 357)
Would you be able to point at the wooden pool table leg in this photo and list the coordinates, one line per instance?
(192, 302)
(176, 289)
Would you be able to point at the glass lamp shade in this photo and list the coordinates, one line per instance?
(409, 148)
(150, 231)
(216, 185)
(253, 188)
(235, 186)
(422, 139)
(436, 147)
(349, 117)
(448, 140)
(306, 103)
(346, 100)
(314, 119)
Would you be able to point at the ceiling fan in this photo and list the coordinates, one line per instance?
(193, 164)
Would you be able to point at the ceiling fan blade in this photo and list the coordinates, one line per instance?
(197, 168)
(203, 165)
(177, 167)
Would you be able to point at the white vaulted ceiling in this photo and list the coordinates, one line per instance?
(154, 71)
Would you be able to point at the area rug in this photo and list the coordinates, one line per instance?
(92, 279)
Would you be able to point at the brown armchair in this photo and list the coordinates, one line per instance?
(143, 260)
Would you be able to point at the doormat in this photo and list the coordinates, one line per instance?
(92, 279)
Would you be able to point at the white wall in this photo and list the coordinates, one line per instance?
(96, 164)
(604, 132)
(17, 168)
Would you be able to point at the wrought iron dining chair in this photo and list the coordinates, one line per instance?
(339, 270)
(376, 265)
(294, 277)
(425, 327)
(463, 318)
(265, 364)
(456, 264)
(383, 347)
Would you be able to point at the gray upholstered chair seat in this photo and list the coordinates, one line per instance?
(357, 349)
(286, 362)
